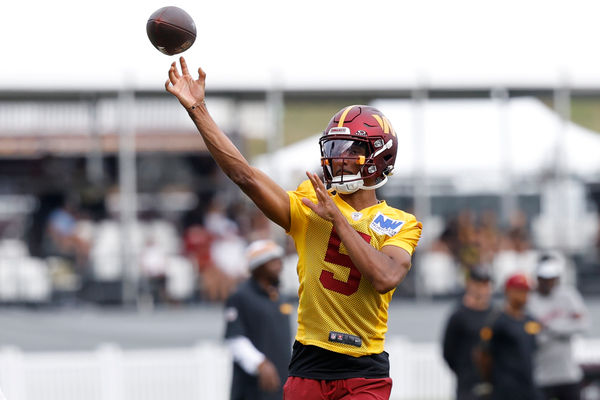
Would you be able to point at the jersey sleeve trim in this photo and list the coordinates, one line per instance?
(403, 245)
(408, 237)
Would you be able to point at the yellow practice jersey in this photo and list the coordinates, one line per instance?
(339, 310)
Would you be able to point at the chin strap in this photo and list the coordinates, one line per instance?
(376, 186)
(355, 185)
(347, 187)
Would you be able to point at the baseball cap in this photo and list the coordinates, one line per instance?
(517, 281)
(549, 268)
(479, 274)
(262, 251)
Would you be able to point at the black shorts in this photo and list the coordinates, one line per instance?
(313, 362)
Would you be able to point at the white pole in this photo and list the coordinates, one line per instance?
(128, 195)
(508, 201)
(275, 135)
(422, 201)
(94, 167)
(562, 106)
(421, 194)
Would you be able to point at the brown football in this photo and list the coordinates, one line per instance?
(171, 30)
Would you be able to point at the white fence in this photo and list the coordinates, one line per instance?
(200, 372)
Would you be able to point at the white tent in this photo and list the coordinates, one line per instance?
(481, 141)
(288, 165)
(473, 143)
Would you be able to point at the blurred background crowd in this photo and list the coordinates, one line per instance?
(59, 249)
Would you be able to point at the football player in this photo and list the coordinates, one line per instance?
(353, 248)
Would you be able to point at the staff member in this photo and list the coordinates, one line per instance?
(258, 327)
(461, 335)
(509, 344)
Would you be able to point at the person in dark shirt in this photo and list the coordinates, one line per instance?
(258, 331)
(461, 334)
(509, 344)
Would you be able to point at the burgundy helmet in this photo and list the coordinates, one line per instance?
(360, 134)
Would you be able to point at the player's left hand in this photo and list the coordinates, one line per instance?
(325, 207)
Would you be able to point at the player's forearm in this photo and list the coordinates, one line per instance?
(223, 151)
(377, 267)
(269, 197)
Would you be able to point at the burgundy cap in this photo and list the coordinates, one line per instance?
(517, 281)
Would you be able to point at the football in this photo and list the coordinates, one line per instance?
(171, 30)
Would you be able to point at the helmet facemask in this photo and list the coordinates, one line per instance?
(358, 136)
(340, 153)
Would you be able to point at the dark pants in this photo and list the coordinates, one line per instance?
(568, 391)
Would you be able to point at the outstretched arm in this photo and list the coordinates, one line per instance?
(269, 197)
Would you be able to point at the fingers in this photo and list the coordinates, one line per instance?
(313, 179)
(168, 86)
(173, 74)
(174, 65)
(313, 183)
(201, 74)
(184, 67)
(308, 203)
(186, 72)
(316, 180)
(317, 185)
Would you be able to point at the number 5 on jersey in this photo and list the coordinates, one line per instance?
(334, 256)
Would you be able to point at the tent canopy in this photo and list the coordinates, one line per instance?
(476, 142)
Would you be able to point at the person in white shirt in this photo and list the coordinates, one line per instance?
(561, 311)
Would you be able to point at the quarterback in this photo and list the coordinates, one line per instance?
(353, 248)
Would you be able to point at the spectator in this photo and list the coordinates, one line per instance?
(214, 244)
(468, 251)
(562, 314)
(61, 228)
(62, 231)
(461, 335)
(488, 237)
(64, 237)
(197, 242)
(153, 264)
(260, 225)
(258, 330)
(508, 345)
(216, 220)
(214, 283)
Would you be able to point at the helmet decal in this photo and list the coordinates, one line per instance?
(344, 115)
(385, 124)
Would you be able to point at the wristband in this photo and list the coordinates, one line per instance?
(203, 103)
